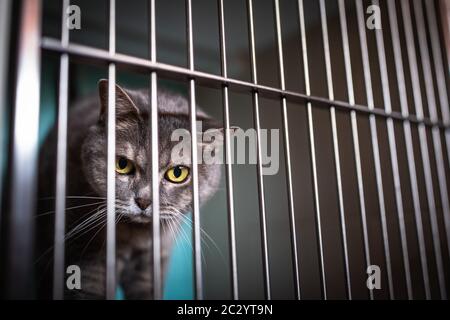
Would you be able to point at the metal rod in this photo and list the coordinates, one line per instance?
(375, 145)
(326, 46)
(437, 59)
(262, 203)
(156, 227)
(393, 155)
(442, 89)
(157, 276)
(19, 262)
(102, 57)
(287, 156)
(422, 139)
(195, 191)
(436, 137)
(229, 172)
(355, 137)
(393, 21)
(111, 159)
(5, 14)
(256, 120)
(61, 164)
(362, 39)
(354, 125)
(444, 12)
(312, 146)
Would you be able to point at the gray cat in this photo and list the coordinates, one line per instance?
(86, 189)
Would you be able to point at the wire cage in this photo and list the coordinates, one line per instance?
(359, 90)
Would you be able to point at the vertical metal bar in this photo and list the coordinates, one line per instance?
(301, 13)
(351, 96)
(354, 124)
(442, 89)
(375, 145)
(393, 21)
(444, 9)
(61, 163)
(326, 47)
(5, 12)
(362, 204)
(229, 173)
(437, 59)
(287, 155)
(195, 192)
(436, 137)
(19, 262)
(393, 153)
(262, 205)
(156, 243)
(423, 141)
(111, 174)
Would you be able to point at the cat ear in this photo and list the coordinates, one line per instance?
(125, 107)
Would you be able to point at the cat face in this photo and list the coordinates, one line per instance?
(133, 155)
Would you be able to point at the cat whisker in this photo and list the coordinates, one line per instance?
(201, 239)
(98, 209)
(189, 222)
(172, 227)
(98, 223)
(71, 208)
(85, 225)
(74, 197)
(119, 216)
(47, 251)
(186, 236)
(103, 223)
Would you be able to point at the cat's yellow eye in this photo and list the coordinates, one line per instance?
(177, 174)
(124, 166)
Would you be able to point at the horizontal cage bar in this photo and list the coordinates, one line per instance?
(103, 57)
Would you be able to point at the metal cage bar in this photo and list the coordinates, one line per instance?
(111, 159)
(436, 137)
(287, 154)
(412, 58)
(99, 56)
(228, 153)
(442, 89)
(394, 157)
(329, 76)
(156, 227)
(375, 144)
(398, 60)
(355, 134)
(61, 163)
(444, 9)
(260, 180)
(5, 11)
(301, 13)
(195, 191)
(24, 155)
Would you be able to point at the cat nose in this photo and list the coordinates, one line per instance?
(142, 203)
